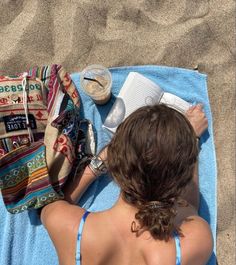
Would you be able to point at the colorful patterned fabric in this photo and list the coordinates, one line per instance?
(25, 179)
(33, 172)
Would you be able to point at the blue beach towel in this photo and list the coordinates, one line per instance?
(23, 239)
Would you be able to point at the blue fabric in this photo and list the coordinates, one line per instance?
(23, 239)
(178, 249)
(80, 231)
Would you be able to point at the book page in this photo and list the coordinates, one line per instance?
(175, 102)
(137, 91)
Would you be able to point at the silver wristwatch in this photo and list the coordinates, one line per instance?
(98, 166)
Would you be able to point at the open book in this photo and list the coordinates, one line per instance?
(136, 92)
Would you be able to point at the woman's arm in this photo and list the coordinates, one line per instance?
(64, 210)
(199, 122)
(191, 192)
(73, 190)
(198, 239)
(61, 218)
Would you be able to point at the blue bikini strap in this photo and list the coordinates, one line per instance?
(178, 249)
(81, 226)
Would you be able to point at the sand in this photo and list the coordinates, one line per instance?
(183, 33)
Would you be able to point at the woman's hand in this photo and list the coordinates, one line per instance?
(197, 118)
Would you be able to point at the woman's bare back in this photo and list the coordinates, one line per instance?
(107, 239)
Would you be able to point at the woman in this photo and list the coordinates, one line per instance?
(153, 159)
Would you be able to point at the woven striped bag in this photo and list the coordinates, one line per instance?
(41, 140)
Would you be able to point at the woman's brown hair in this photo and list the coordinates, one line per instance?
(152, 157)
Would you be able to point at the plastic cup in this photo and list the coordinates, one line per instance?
(96, 82)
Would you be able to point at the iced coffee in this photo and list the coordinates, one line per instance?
(96, 81)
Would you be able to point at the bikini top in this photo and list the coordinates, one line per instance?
(78, 253)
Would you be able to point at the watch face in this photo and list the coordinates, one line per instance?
(98, 165)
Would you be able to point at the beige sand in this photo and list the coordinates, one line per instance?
(182, 33)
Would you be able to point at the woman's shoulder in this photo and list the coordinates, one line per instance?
(196, 240)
